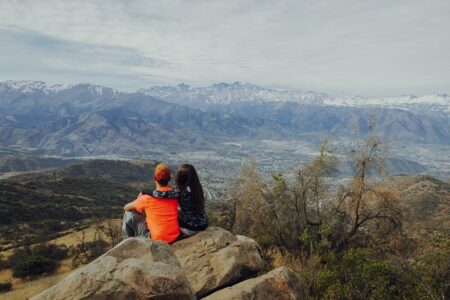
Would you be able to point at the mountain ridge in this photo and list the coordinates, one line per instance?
(225, 93)
(238, 92)
(86, 119)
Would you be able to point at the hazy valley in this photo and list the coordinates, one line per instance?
(221, 123)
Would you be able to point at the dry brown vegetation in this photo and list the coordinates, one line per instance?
(364, 242)
(94, 240)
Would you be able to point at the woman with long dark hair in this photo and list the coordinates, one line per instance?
(189, 192)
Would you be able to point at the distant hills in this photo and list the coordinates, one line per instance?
(86, 119)
(54, 201)
(50, 202)
(14, 163)
(393, 165)
(133, 171)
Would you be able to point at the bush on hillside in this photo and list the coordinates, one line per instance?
(33, 265)
(433, 274)
(348, 245)
(357, 274)
(19, 254)
(363, 274)
(30, 261)
(5, 287)
(303, 218)
(53, 251)
(292, 218)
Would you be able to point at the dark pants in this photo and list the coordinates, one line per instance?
(134, 225)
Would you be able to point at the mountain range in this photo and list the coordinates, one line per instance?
(87, 119)
(224, 93)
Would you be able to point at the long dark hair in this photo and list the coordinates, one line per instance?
(187, 176)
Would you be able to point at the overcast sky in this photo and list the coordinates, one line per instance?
(342, 47)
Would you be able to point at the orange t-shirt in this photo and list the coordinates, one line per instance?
(161, 216)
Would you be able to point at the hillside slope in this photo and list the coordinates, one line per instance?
(426, 202)
(15, 163)
(47, 203)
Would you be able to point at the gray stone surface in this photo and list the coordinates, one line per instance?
(135, 269)
(279, 284)
(215, 258)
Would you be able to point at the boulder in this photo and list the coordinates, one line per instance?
(136, 268)
(216, 258)
(279, 284)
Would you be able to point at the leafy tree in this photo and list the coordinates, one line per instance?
(278, 216)
(246, 197)
(366, 213)
(311, 190)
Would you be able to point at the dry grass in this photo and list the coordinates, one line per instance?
(23, 289)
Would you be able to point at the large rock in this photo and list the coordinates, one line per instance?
(134, 269)
(216, 258)
(279, 284)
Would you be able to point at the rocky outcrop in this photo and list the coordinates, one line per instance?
(280, 284)
(216, 258)
(215, 264)
(134, 269)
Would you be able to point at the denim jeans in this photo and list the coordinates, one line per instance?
(134, 225)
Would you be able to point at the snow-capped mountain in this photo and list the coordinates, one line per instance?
(86, 118)
(436, 102)
(237, 92)
(29, 87)
(225, 93)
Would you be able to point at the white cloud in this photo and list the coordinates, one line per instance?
(345, 47)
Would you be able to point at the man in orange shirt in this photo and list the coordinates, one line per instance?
(161, 215)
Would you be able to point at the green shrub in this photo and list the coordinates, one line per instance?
(264, 240)
(358, 275)
(434, 272)
(5, 286)
(18, 255)
(50, 251)
(33, 265)
(31, 261)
